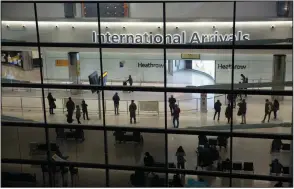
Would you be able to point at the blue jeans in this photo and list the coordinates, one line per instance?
(174, 122)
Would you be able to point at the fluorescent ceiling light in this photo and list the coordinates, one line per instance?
(147, 24)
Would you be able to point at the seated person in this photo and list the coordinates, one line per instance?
(119, 135)
(214, 153)
(276, 166)
(222, 141)
(138, 179)
(276, 145)
(155, 181)
(148, 160)
(202, 140)
(176, 182)
(204, 157)
(279, 184)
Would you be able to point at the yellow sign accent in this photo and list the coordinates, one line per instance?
(61, 63)
(190, 56)
(104, 74)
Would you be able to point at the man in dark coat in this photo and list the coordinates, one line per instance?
(70, 106)
(51, 102)
(172, 101)
(116, 100)
(132, 110)
(85, 110)
(217, 108)
(130, 80)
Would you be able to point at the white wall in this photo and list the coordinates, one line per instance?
(257, 66)
(89, 62)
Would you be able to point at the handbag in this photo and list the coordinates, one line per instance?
(239, 113)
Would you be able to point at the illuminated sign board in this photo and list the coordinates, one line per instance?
(190, 56)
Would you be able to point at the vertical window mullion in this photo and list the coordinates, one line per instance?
(103, 105)
(165, 97)
(232, 91)
(43, 97)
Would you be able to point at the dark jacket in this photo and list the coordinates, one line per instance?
(267, 107)
(132, 109)
(51, 101)
(148, 161)
(276, 105)
(84, 106)
(130, 80)
(177, 111)
(228, 112)
(242, 107)
(172, 101)
(217, 106)
(70, 105)
(115, 99)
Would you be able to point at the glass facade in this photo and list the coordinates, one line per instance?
(220, 68)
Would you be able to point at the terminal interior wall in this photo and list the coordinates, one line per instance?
(254, 66)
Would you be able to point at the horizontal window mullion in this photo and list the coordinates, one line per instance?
(150, 130)
(146, 46)
(159, 170)
(148, 88)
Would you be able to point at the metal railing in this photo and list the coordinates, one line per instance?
(27, 104)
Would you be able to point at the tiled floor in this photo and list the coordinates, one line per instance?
(26, 105)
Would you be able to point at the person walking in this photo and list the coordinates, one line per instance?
(172, 101)
(228, 113)
(78, 114)
(267, 110)
(176, 115)
(276, 107)
(130, 80)
(85, 110)
(180, 158)
(116, 100)
(242, 111)
(51, 102)
(217, 108)
(70, 106)
(132, 110)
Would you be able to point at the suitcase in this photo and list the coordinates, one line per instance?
(124, 83)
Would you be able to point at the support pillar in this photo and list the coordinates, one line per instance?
(279, 72)
(74, 70)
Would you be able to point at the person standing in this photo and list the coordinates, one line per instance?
(116, 100)
(176, 115)
(85, 110)
(228, 113)
(51, 102)
(70, 106)
(276, 107)
(242, 111)
(78, 114)
(267, 110)
(217, 108)
(130, 80)
(180, 158)
(172, 101)
(132, 110)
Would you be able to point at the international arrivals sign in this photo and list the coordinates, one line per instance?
(179, 38)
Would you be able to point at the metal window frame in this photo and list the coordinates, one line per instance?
(164, 89)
